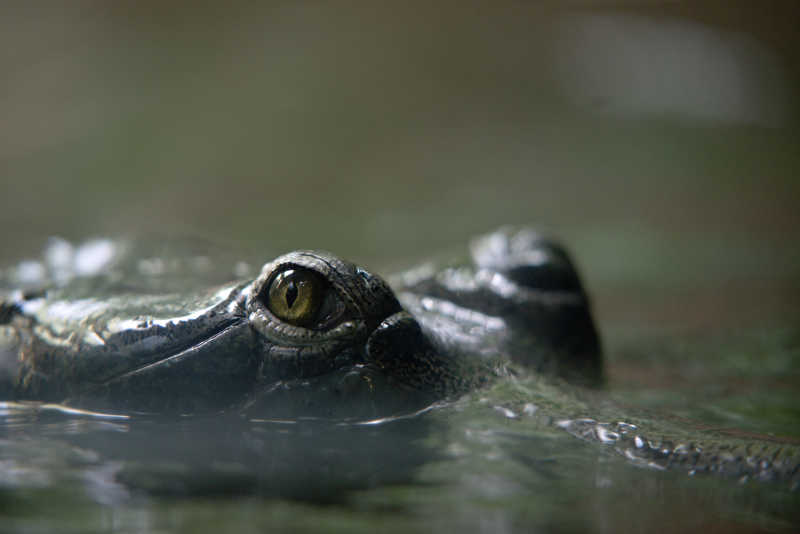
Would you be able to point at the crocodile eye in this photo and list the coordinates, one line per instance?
(296, 295)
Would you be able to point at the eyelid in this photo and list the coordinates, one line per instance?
(272, 328)
(277, 330)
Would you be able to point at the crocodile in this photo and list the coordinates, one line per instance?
(313, 335)
(311, 330)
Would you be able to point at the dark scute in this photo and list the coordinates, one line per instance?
(528, 259)
(551, 276)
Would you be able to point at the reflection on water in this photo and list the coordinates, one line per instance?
(310, 460)
(505, 457)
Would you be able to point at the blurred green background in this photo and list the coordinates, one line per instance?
(659, 140)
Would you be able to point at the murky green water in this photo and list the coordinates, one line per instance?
(491, 461)
(659, 142)
(526, 453)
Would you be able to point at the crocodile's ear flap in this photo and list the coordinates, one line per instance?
(400, 349)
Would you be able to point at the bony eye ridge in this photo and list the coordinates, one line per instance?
(295, 295)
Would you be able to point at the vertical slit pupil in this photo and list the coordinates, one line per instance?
(291, 294)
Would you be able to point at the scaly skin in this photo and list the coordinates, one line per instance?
(440, 330)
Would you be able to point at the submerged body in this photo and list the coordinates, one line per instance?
(313, 335)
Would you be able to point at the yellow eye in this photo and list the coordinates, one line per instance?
(295, 296)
